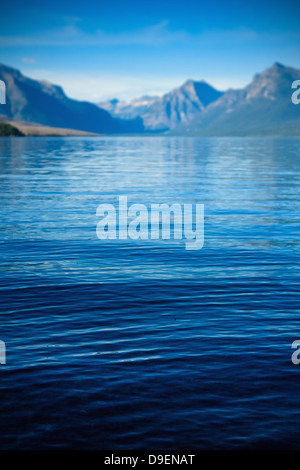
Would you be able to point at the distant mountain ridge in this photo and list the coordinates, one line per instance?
(167, 112)
(262, 108)
(41, 102)
(128, 110)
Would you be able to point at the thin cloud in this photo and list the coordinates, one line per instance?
(155, 35)
(29, 60)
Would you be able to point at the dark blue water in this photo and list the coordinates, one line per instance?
(142, 344)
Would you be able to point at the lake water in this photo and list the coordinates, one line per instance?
(143, 344)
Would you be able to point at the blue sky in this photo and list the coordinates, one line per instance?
(99, 50)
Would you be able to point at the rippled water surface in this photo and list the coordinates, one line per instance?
(143, 344)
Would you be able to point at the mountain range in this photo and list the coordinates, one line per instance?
(163, 113)
(128, 110)
(41, 102)
(262, 108)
